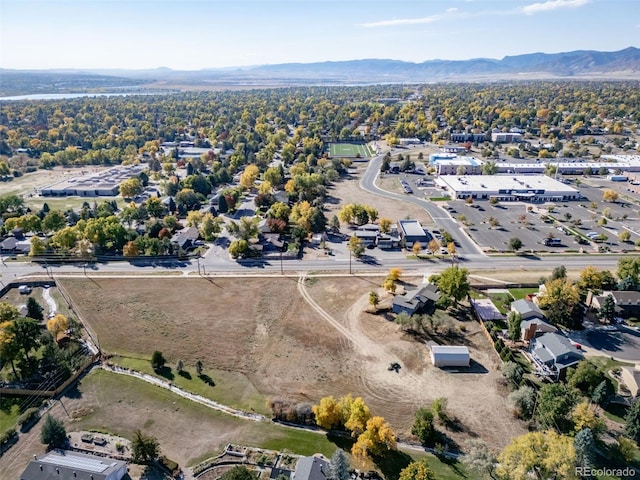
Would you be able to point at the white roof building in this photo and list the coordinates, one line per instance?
(450, 356)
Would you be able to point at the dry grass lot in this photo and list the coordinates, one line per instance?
(297, 342)
(348, 191)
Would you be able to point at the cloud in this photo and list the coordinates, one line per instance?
(550, 5)
(402, 21)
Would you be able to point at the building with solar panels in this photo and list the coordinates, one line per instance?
(65, 465)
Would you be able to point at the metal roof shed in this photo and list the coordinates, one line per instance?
(450, 356)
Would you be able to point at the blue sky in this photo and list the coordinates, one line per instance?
(195, 34)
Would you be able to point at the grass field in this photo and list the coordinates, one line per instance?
(349, 150)
(273, 343)
(187, 432)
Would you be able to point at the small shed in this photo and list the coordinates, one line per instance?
(450, 356)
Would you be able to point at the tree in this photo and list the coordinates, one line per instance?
(586, 377)
(131, 187)
(54, 221)
(423, 426)
(523, 401)
(53, 433)
(249, 176)
(555, 403)
(610, 196)
(561, 303)
(57, 324)
(583, 416)
(339, 466)
(34, 309)
(210, 227)
(628, 272)
(376, 440)
(416, 248)
(453, 282)
(394, 274)
(389, 285)
(596, 280)
(514, 244)
(239, 472)
(328, 413)
(179, 366)
(144, 448)
(356, 247)
(223, 207)
(355, 414)
(246, 229)
(515, 320)
(374, 299)
(334, 224)
(439, 409)
(384, 224)
(624, 236)
(26, 334)
(433, 246)
(199, 367)
(559, 272)
(478, 458)
(601, 392)
(585, 448)
(632, 422)
(607, 310)
(543, 454)
(238, 248)
(187, 199)
(157, 360)
(38, 246)
(512, 372)
(417, 471)
(194, 218)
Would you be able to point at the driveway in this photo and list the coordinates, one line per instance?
(623, 344)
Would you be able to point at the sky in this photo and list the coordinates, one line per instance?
(197, 34)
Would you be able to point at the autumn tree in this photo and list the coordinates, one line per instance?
(374, 299)
(596, 280)
(377, 439)
(194, 218)
(544, 454)
(417, 471)
(584, 416)
(57, 324)
(610, 196)
(423, 426)
(556, 401)
(249, 176)
(210, 227)
(355, 414)
(478, 458)
(356, 247)
(394, 274)
(328, 413)
(384, 224)
(561, 302)
(433, 246)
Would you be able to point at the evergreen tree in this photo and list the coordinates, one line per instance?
(515, 320)
(607, 310)
(339, 466)
(34, 309)
(585, 448)
(53, 433)
(600, 393)
(223, 207)
(632, 427)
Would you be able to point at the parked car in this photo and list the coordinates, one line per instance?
(24, 289)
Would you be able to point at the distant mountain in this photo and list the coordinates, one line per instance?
(577, 64)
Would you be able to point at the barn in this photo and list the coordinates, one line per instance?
(449, 356)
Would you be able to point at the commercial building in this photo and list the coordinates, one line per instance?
(506, 137)
(411, 232)
(508, 188)
(101, 184)
(66, 465)
(451, 164)
(468, 137)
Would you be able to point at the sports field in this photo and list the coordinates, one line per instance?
(349, 150)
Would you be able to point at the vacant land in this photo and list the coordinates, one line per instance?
(295, 340)
(348, 191)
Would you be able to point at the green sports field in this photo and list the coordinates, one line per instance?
(349, 150)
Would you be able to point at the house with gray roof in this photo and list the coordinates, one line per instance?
(527, 309)
(535, 327)
(415, 300)
(66, 465)
(186, 237)
(554, 353)
(311, 468)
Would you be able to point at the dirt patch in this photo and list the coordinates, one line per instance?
(300, 349)
(348, 191)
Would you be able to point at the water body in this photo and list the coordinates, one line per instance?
(61, 96)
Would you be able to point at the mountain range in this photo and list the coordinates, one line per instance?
(622, 64)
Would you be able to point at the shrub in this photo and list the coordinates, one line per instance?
(28, 418)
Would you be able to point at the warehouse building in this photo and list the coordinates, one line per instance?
(508, 188)
(102, 184)
(411, 232)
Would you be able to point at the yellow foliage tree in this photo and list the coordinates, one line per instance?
(389, 285)
(194, 218)
(417, 471)
(355, 414)
(376, 440)
(451, 248)
(384, 224)
(584, 416)
(548, 454)
(394, 274)
(610, 196)
(328, 413)
(249, 176)
(433, 246)
(130, 249)
(57, 324)
(416, 248)
(265, 187)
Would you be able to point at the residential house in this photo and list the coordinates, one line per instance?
(311, 468)
(627, 303)
(186, 238)
(66, 465)
(535, 327)
(527, 309)
(554, 353)
(415, 300)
